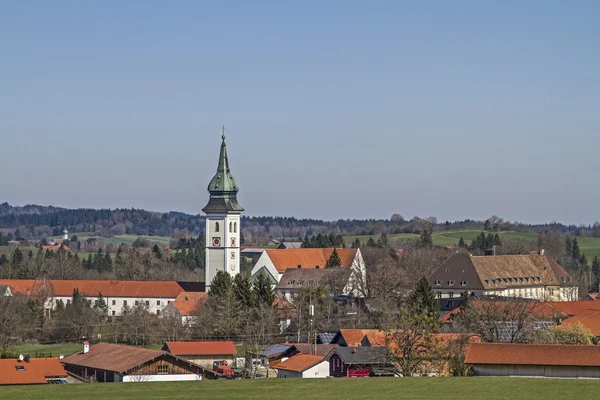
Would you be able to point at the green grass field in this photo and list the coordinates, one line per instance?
(54, 350)
(589, 245)
(305, 389)
(122, 239)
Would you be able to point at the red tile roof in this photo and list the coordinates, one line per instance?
(308, 258)
(200, 348)
(589, 319)
(136, 289)
(533, 354)
(57, 248)
(353, 337)
(112, 357)
(36, 371)
(187, 303)
(300, 362)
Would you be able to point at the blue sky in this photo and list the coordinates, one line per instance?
(333, 109)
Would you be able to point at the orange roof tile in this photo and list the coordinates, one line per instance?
(36, 371)
(136, 289)
(589, 319)
(187, 303)
(353, 337)
(308, 258)
(57, 248)
(533, 354)
(200, 348)
(300, 362)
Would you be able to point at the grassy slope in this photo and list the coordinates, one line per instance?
(53, 349)
(343, 389)
(126, 239)
(589, 245)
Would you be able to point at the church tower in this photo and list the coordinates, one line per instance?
(223, 228)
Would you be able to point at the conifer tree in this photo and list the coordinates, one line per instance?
(263, 290)
(576, 252)
(371, 242)
(3, 240)
(356, 244)
(107, 264)
(568, 247)
(426, 239)
(596, 273)
(383, 241)
(221, 284)
(242, 289)
(157, 252)
(461, 242)
(334, 260)
(17, 257)
(424, 298)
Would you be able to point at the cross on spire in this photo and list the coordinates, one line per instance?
(223, 134)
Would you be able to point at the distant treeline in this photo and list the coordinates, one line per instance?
(38, 222)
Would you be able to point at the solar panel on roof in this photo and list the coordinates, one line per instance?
(326, 338)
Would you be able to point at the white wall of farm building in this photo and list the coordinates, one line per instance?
(321, 370)
(161, 378)
(545, 371)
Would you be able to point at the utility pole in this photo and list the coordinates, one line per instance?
(311, 313)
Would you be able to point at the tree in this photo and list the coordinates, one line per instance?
(424, 298)
(3, 240)
(371, 242)
(576, 251)
(595, 272)
(17, 258)
(426, 240)
(78, 320)
(242, 288)
(461, 243)
(263, 290)
(571, 334)
(334, 260)
(157, 252)
(102, 303)
(466, 321)
(11, 320)
(356, 244)
(221, 284)
(383, 241)
(411, 341)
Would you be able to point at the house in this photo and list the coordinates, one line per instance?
(31, 371)
(117, 295)
(532, 276)
(203, 353)
(290, 245)
(285, 312)
(360, 362)
(294, 280)
(13, 243)
(303, 366)
(274, 242)
(310, 348)
(274, 262)
(589, 319)
(57, 247)
(351, 337)
(534, 360)
(274, 354)
(106, 362)
(185, 307)
(326, 337)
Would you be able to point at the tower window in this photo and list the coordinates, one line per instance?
(216, 227)
(230, 227)
(235, 227)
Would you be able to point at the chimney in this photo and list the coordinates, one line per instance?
(27, 358)
(541, 252)
(317, 267)
(299, 265)
(353, 350)
(86, 347)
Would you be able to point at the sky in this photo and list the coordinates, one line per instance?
(336, 109)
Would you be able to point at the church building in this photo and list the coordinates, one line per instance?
(223, 228)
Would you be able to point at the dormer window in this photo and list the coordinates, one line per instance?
(450, 282)
(463, 283)
(438, 282)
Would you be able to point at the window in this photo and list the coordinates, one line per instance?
(163, 369)
(216, 227)
(291, 282)
(439, 294)
(300, 282)
(113, 313)
(463, 283)
(235, 227)
(158, 302)
(450, 282)
(124, 303)
(148, 302)
(68, 301)
(231, 227)
(157, 312)
(96, 303)
(20, 367)
(114, 302)
(137, 303)
(451, 294)
(438, 282)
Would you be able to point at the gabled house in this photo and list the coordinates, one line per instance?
(185, 307)
(351, 337)
(274, 263)
(290, 245)
(106, 362)
(5, 290)
(532, 276)
(203, 353)
(303, 366)
(360, 362)
(31, 371)
(294, 280)
(534, 360)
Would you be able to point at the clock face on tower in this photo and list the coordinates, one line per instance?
(216, 241)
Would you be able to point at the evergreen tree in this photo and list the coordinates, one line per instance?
(306, 242)
(3, 240)
(17, 257)
(383, 241)
(107, 264)
(334, 260)
(468, 317)
(157, 252)
(497, 240)
(424, 298)
(576, 252)
(426, 239)
(221, 284)
(356, 244)
(102, 303)
(3, 259)
(9, 237)
(371, 242)
(568, 247)
(263, 290)
(595, 273)
(461, 243)
(242, 289)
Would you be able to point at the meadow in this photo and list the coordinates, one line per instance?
(306, 389)
(589, 245)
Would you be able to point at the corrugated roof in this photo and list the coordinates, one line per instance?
(108, 288)
(300, 362)
(274, 350)
(187, 303)
(35, 371)
(308, 258)
(113, 357)
(533, 354)
(200, 348)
